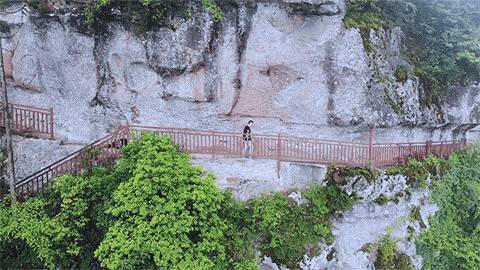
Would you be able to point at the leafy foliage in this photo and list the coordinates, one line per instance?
(388, 256)
(417, 172)
(340, 174)
(144, 15)
(153, 209)
(285, 230)
(382, 199)
(239, 234)
(416, 215)
(165, 215)
(453, 240)
(401, 73)
(63, 226)
(364, 14)
(442, 38)
(279, 227)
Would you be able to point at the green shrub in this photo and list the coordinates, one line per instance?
(63, 226)
(382, 199)
(166, 214)
(381, 80)
(401, 73)
(415, 215)
(389, 258)
(285, 229)
(338, 199)
(367, 247)
(145, 15)
(339, 174)
(386, 254)
(417, 172)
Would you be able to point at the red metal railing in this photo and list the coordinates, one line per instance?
(394, 153)
(29, 119)
(100, 152)
(281, 148)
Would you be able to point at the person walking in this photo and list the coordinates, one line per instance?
(247, 140)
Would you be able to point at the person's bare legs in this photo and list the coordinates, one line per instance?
(250, 148)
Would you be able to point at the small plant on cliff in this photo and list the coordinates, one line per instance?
(382, 199)
(401, 73)
(341, 174)
(388, 256)
(397, 108)
(417, 172)
(417, 216)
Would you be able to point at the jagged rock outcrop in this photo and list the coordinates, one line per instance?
(291, 65)
(368, 221)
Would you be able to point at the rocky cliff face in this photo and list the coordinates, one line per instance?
(290, 65)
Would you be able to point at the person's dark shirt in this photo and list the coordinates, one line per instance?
(247, 131)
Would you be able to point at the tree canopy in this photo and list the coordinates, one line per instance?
(166, 214)
(453, 240)
(154, 209)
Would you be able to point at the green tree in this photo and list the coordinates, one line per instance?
(166, 214)
(453, 240)
(61, 227)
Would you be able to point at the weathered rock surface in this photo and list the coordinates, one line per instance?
(249, 178)
(366, 223)
(291, 65)
(32, 154)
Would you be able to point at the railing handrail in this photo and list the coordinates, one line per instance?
(27, 107)
(292, 149)
(196, 131)
(29, 119)
(71, 156)
(416, 143)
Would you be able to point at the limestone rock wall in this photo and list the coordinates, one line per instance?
(290, 65)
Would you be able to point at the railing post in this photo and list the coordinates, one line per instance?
(52, 135)
(129, 133)
(279, 154)
(370, 145)
(410, 149)
(427, 148)
(13, 122)
(214, 144)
